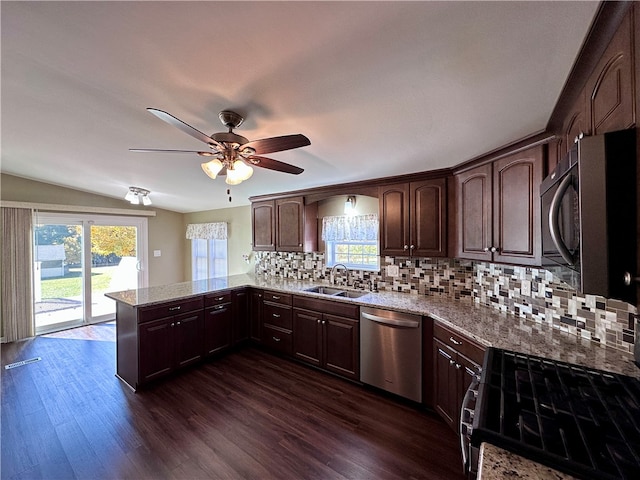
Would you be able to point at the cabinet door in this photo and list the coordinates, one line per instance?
(240, 308)
(156, 351)
(290, 224)
(188, 338)
(576, 123)
(217, 329)
(341, 346)
(475, 218)
(428, 200)
(307, 333)
(610, 88)
(263, 225)
(516, 203)
(446, 383)
(394, 219)
(255, 323)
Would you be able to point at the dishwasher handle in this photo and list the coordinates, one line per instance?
(393, 322)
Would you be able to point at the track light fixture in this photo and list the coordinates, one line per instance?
(137, 195)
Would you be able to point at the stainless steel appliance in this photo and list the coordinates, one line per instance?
(578, 420)
(589, 215)
(391, 351)
(470, 454)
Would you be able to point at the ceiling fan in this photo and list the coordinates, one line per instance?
(233, 154)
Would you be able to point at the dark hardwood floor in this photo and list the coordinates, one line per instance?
(246, 415)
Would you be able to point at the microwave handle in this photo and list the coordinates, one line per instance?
(554, 224)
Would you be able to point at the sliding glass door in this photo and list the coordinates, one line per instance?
(78, 258)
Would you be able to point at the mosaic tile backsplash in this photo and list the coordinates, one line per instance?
(532, 293)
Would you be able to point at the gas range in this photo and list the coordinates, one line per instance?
(581, 421)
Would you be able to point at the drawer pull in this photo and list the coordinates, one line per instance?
(454, 341)
(275, 297)
(178, 323)
(276, 315)
(220, 298)
(173, 309)
(173, 324)
(276, 339)
(219, 307)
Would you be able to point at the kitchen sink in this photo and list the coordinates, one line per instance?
(336, 292)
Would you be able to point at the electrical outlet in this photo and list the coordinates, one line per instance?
(308, 264)
(393, 270)
(525, 288)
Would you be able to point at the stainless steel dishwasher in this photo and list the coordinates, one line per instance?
(391, 351)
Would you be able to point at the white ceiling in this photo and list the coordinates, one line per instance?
(381, 88)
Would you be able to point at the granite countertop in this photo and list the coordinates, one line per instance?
(498, 464)
(485, 325)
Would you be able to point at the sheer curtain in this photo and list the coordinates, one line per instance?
(16, 225)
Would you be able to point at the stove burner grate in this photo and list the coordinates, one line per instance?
(583, 421)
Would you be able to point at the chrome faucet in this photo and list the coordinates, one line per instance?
(332, 276)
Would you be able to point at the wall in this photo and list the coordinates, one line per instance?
(165, 229)
(239, 232)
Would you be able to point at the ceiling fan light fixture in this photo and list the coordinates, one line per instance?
(212, 168)
(244, 170)
(233, 177)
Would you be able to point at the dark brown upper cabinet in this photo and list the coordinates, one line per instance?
(499, 209)
(284, 225)
(413, 218)
(263, 220)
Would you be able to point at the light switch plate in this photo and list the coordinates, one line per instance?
(393, 270)
(308, 264)
(157, 253)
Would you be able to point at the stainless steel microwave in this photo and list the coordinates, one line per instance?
(589, 209)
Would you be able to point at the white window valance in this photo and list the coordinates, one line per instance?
(346, 228)
(207, 231)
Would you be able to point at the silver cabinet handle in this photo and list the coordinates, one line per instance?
(629, 279)
(173, 324)
(454, 341)
(412, 247)
(173, 309)
(219, 307)
(275, 297)
(493, 249)
(276, 315)
(276, 339)
(406, 247)
(178, 323)
(220, 298)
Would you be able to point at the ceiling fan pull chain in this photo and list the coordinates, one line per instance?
(229, 193)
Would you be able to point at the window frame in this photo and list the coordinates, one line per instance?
(330, 254)
(212, 258)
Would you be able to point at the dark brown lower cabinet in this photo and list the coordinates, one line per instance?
(217, 328)
(326, 340)
(456, 360)
(169, 343)
(255, 315)
(240, 314)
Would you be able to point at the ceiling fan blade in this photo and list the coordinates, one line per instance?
(186, 128)
(157, 150)
(272, 164)
(278, 144)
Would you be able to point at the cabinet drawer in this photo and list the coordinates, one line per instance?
(277, 339)
(217, 298)
(170, 309)
(327, 306)
(277, 297)
(459, 343)
(277, 315)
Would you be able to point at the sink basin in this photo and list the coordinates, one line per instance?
(350, 294)
(336, 292)
(325, 290)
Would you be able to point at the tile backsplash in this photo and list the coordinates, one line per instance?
(532, 293)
